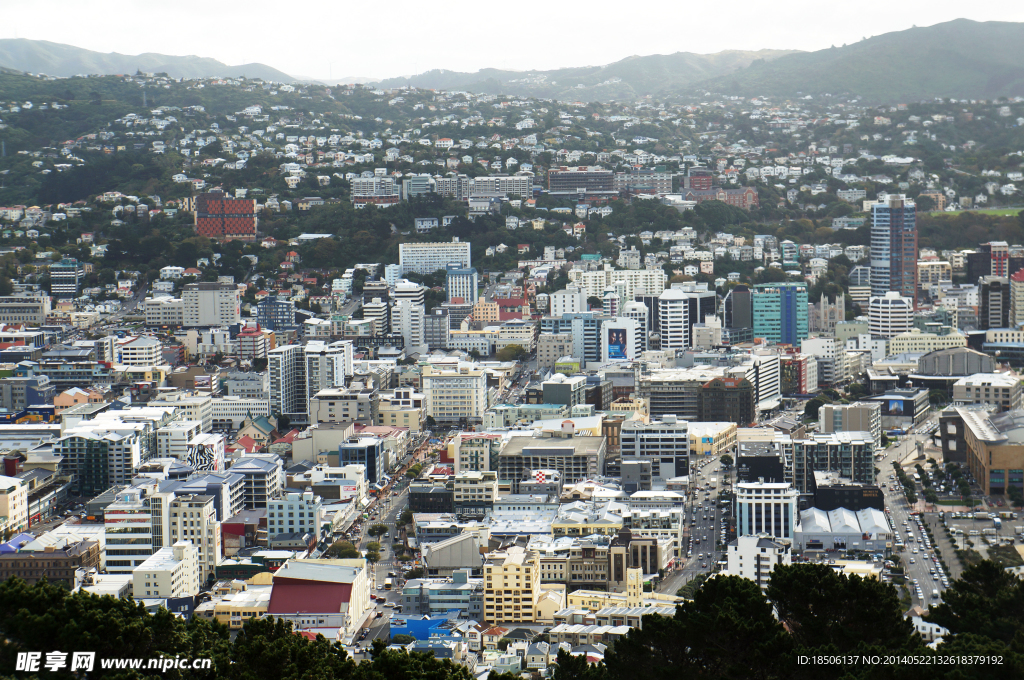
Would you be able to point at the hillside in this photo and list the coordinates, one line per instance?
(626, 79)
(958, 58)
(55, 59)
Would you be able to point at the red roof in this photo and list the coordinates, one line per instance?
(298, 596)
(1018, 275)
(309, 635)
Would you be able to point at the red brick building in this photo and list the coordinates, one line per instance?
(219, 216)
(742, 197)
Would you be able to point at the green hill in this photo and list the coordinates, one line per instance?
(626, 79)
(55, 59)
(961, 58)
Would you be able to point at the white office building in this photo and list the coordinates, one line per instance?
(766, 508)
(211, 304)
(674, 319)
(664, 443)
(890, 315)
(295, 513)
(172, 439)
(571, 300)
(755, 556)
(128, 531)
(407, 319)
(462, 284)
(427, 258)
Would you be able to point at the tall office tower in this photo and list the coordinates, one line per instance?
(890, 314)
(780, 312)
(66, 277)
(993, 302)
(327, 365)
(407, 319)
(287, 368)
(638, 312)
(894, 247)
(674, 315)
(463, 283)
(377, 311)
(407, 290)
(738, 309)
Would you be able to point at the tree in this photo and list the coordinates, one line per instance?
(343, 550)
(402, 639)
(726, 460)
(405, 518)
(414, 573)
(377, 530)
(431, 423)
(511, 353)
(593, 302)
(823, 609)
(372, 556)
(812, 406)
(986, 601)
(373, 546)
(727, 631)
(575, 667)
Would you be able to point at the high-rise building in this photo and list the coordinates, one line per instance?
(128, 532)
(276, 314)
(766, 508)
(780, 312)
(1016, 314)
(211, 304)
(738, 308)
(462, 284)
(436, 328)
(890, 314)
(665, 444)
(427, 258)
(455, 394)
(571, 300)
(287, 368)
(66, 277)
(327, 365)
(194, 518)
(222, 217)
(674, 319)
(993, 302)
(638, 312)
(894, 247)
(407, 319)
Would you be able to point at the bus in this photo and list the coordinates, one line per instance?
(387, 584)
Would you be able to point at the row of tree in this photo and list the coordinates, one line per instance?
(810, 623)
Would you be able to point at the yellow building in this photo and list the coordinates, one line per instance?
(711, 439)
(932, 272)
(511, 586)
(240, 604)
(596, 600)
(13, 504)
(918, 341)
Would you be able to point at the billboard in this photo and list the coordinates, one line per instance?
(618, 339)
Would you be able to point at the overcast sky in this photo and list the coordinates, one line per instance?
(338, 38)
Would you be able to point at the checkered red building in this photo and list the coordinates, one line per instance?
(219, 216)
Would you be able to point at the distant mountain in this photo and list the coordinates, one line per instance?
(961, 58)
(626, 79)
(55, 59)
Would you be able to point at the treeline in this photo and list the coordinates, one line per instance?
(811, 623)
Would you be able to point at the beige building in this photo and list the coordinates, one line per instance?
(933, 272)
(711, 439)
(474, 493)
(917, 340)
(194, 519)
(551, 347)
(241, 603)
(13, 504)
(863, 416)
(997, 389)
(169, 572)
(455, 393)
(511, 586)
(402, 408)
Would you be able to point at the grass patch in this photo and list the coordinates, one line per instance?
(1005, 556)
(981, 211)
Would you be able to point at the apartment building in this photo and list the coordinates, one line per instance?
(511, 586)
(294, 513)
(193, 518)
(755, 556)
(427, 258)
(551, 347)
(168, 573)
(863, 416)
(996, 389)
(128, 531)
(455, 393)
(665, 444)
(474, 493)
